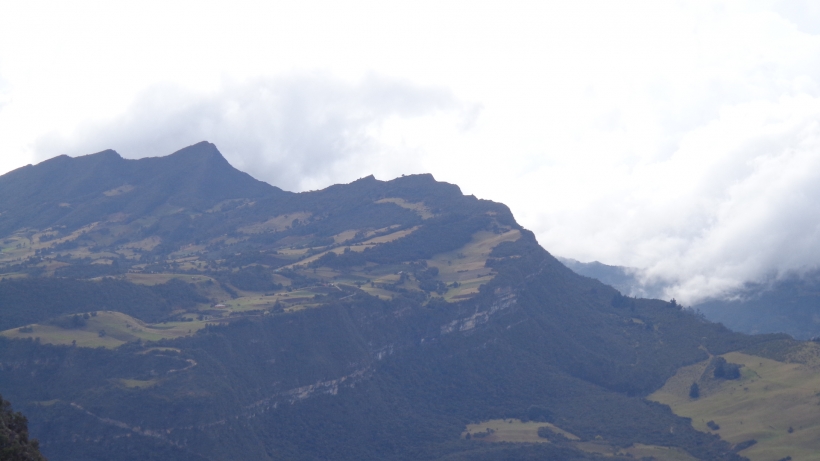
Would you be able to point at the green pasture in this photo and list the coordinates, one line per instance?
(464, 263)
(773, 402)
(292, 301)
(420, 208)
(467, 265)
(136, 383)
(637, 451)
(161, 349)
(517, 431)
(118, 329)
(277, 223)
(513, 430)
(158, 279)
(345, 236)
(358, 247)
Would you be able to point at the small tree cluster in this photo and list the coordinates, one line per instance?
(694, 391)
(726, 370)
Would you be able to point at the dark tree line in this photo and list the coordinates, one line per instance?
(15, 444)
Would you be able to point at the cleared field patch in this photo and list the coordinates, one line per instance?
(773, 402)
(377, 292)
(146, 244)
(158, 279)
(85, 252)
(512, 430)
(252, 302)
(50, 266)
(230, 203)
(638, 451)
(641, 451)
(326, 273)
(358, 247)
(46, 234)
(188, 251)
(420, 208)
(389, 237)
(471, 257)
(277, 223)
(72, 236)
(16, 247)
(160, 349)
(50, 334)
(102, 261)
(345, 236)
(293, 253)
(517, 431)
(106, 329)
(308, 260)
(467, 288)
(136, 383)
(118, 190)
(288, 301)
(467, 265)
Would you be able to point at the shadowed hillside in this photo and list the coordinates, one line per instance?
(73, 192)
(206, 315)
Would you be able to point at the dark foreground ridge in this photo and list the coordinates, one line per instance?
(15, 444)
(175, 308)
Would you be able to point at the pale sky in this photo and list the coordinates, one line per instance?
(682, 138)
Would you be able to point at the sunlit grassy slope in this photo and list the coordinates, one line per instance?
(462, 270)
(105, 329)
(517, 431)
(513, 430)
(773, 402)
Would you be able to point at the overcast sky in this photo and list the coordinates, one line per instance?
(682, 138)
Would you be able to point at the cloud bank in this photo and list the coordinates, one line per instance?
(298, 132)
(691, 155)
(743, 203)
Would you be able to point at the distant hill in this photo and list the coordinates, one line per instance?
(621, 278)
(175, 308)
(790, 305)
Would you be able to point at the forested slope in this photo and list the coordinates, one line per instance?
(368, 321)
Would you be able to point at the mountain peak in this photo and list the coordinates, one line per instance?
(202, 148)
(103, 154)
(68, 191)
(199, 152)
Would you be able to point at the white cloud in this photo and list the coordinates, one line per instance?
(753, 212)
(735, 202)
(298, 132)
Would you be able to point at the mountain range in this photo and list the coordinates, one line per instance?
(175, 308)
(788, 304)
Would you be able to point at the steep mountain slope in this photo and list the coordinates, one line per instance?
(374, 320)
(73, 192)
